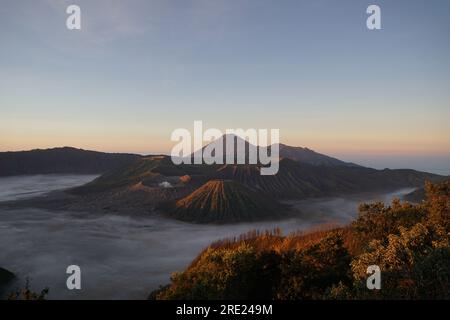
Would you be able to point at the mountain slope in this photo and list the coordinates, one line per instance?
(222, 143)
(5, 277)
(146, 170)
(415, 196)
(300, 154)
(298, 180)
(220, 201)
(294, 180)
(61, 160)
(309, 156)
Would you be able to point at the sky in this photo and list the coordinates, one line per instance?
(139, 69)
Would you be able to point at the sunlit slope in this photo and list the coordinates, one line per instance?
(225, 201)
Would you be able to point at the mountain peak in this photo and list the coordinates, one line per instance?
(220, 201)
(299, 154)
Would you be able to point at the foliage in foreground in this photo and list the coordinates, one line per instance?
(410, 243)
(26, 293)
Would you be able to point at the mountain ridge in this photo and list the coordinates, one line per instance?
(301, 154)
(70, 160)
(146, 182)
(61, 160)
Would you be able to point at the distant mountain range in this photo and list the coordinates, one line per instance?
(209, 193)
(216, 193)
(70, 160)
(61, 160)
(300, 154)
(309, 156)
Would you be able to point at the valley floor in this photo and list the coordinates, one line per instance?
(121, 255)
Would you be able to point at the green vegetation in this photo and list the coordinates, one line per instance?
(410, 243)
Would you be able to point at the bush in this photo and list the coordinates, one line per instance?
(310, 273)
(410, 244)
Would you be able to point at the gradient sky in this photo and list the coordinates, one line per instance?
(140, 69)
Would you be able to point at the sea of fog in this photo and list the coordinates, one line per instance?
(120, 256)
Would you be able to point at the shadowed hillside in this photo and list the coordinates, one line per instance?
(415, 196)
(296, 180)
(220, 201)
(5, 278)
(61, 160)
(309, 156)
(148, 170)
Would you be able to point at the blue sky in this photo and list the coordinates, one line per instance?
(139, 69)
